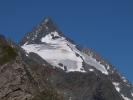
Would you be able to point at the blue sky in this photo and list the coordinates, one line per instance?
(104, 25)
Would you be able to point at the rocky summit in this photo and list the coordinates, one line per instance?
(47, 65)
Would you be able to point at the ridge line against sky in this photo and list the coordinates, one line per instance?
(104, 25)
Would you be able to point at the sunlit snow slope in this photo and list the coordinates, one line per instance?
(61, 53)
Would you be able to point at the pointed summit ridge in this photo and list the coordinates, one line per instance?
(48, 24)
(47, 20)
(65, 57)
(46, 27)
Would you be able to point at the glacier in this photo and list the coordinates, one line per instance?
(61, 53)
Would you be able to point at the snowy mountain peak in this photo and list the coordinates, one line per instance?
(58, 50)
(63, 55)
(47, 20)
(49, 24)
(45, 27)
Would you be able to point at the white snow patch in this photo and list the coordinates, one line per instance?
(91, 70)
(55, 55)
(116, 86)
(108, 67)
(93, 62)
(132, 94)
(61, 51)
(55, 34)
(48, 38)
(35, 35)
(27, 55)
(46, 20)
(125, 98)
(124, 79)
(55, 52)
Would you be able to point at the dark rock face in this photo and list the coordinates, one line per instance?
(32, 81)
(24, 79)
(30, 77)
(46, 26)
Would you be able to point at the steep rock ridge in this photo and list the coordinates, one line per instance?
(19, 78)
(7, 53)
(46, 26)
(121, 84)
(10, 73)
